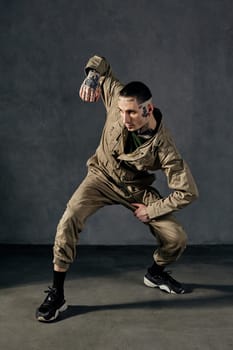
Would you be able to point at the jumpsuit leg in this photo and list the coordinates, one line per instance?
(169, 233)
(92, 194)
(171, 237)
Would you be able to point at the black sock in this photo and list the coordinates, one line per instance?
(58, 281)
(156, 269)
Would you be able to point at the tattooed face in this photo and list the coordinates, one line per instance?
(134, 115)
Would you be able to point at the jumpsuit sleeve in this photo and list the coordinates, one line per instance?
(179, 180)
(110, 86)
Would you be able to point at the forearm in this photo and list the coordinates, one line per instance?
(175, 201)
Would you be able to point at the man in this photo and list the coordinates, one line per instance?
(134, 143)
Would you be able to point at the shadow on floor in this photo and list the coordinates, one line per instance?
(33, 264)
(200, 302)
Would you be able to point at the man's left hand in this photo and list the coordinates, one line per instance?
(141, 212)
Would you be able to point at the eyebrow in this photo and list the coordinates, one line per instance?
(128, 110)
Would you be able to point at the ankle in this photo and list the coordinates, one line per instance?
(58, 281)
(156, 269)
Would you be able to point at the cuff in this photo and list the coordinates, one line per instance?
(98, 63)
(61, 264)
(151, 212)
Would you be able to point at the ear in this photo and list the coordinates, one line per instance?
(150, 107)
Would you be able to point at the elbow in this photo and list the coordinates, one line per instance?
(187, 197)
(192, 192)
(192, 196)
(195, 193)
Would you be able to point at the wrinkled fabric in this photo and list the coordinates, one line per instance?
(157, 153)
(115, 177)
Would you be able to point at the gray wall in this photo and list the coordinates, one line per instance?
(181, 48)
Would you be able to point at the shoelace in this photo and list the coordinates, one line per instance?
(52, 292)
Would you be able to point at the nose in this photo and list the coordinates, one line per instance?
(125, 117)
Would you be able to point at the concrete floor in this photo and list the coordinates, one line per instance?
(110, 308)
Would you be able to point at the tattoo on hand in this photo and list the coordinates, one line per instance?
(92, 80)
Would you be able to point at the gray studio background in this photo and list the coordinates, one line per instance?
(181, 48)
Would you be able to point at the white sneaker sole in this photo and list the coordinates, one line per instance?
(62, 308)
(163, 287)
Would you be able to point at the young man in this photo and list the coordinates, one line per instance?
(134, 143)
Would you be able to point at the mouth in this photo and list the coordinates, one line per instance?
(129, 126)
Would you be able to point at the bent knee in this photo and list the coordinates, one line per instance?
(183, 238)
(179, 239)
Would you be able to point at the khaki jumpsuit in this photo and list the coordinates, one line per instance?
(117, 178)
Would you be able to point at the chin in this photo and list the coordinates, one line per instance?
(131, 128)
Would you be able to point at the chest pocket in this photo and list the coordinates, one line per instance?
(144, 158)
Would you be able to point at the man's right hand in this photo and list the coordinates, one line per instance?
(90, 88)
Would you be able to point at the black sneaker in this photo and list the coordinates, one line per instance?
(165, 282)
(52, 305)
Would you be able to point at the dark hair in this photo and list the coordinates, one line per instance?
(137, 90)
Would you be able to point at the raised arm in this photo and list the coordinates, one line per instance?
(99, 81)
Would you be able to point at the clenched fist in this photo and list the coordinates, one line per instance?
(90, 88)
